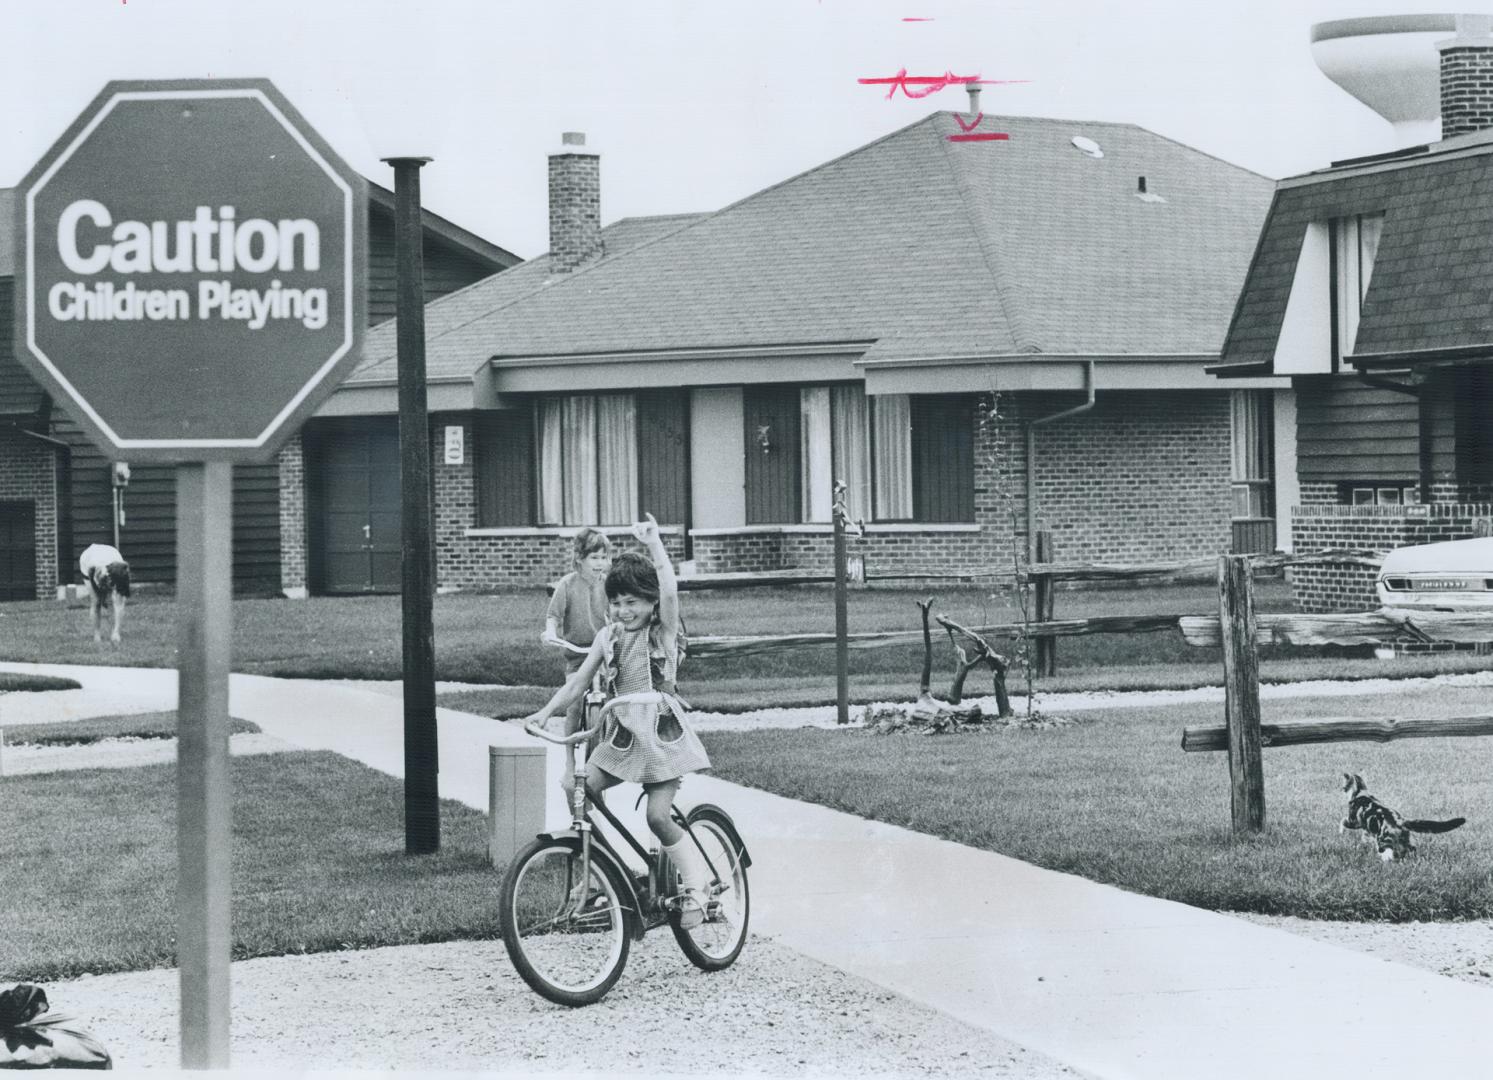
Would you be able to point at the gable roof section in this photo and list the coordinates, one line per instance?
(924, 246)
(1428, 290)
(449, 233)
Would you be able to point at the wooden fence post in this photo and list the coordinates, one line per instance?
(1047, 645)
(1241, 682)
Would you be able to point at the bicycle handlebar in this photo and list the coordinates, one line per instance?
(646, 697)
(561, 643)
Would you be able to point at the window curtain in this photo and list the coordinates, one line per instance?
(816, 455)
(578, 415)
(1250, 465)
(551, 462)
(852, 448)
(617, 442)
(892, 455)
(1356, 246)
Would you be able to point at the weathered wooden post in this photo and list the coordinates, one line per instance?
(842, 620)
(1047, 645)
(1241, 683)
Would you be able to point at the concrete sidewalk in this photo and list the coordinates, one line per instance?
(1112, 983)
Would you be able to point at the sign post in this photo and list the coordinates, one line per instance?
(193, 285)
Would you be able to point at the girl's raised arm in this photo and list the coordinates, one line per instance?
(668, 585)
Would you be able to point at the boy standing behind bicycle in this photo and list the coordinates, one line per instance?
(643, 743)
(578, 608)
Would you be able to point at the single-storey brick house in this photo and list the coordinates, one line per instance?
(56, 488)
(721, 370)
(1372, 289)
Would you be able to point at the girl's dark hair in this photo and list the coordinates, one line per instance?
(589, 540)
(632, 575)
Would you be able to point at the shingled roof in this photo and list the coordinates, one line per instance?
(924, 246)
(1428, 290)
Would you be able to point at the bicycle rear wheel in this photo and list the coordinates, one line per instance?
(567, 938)
(717, 942)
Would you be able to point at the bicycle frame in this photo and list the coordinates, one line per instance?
(649, 902)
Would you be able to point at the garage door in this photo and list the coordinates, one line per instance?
(18, 550)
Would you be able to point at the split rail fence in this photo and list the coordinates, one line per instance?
(1241, 632)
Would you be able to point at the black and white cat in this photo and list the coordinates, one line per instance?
(1381, 825)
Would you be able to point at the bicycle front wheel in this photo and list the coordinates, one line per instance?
(565, 926)
(715, 943)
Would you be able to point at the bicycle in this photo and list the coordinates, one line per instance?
(571, 907)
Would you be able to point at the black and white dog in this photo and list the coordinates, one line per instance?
(108, 578)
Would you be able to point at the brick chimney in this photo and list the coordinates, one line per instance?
(1467, 76)
(575, 204)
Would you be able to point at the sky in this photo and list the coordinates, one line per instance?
(692, 106)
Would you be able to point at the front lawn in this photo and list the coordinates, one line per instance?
(156, 725)
(1115, 799)
(89, 874)
(494, 638)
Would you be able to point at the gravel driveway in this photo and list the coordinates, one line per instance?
(460, 1005)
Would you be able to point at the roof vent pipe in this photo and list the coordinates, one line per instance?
(973, 89)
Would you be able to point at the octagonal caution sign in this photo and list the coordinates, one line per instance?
(193, 270)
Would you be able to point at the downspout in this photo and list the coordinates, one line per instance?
(1031, 455)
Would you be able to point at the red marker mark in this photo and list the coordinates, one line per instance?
(981, 136)
(906, 19)
(929, 84)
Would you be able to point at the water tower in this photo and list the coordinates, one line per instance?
(1393, 64)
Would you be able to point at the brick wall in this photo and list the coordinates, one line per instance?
(1381, 528)
(1142, 476)
(292, 518)
(1466, 88)
(30, 475)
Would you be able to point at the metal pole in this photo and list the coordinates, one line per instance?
(204, 612)
(842, 646)
(422, 823)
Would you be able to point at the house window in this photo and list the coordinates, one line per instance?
(583, 460)
(588, 459)
(1381, 493)
(1250, 467)
(893, 457)
(902, 457)
(1355, 244)
(834, 444)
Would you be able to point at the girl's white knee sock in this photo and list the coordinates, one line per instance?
(692, 869)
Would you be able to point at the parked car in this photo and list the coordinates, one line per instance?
(1456, 575)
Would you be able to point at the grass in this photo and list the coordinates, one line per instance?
(1113, 798)
(157, 725)
(89, 875)
(493, 638)
(18, 681)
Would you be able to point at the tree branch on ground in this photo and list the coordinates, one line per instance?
(979, 653)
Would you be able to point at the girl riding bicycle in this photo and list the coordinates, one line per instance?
(645, 744)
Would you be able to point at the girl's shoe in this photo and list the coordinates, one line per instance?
(691, 908)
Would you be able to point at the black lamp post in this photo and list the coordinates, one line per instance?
(422, 822)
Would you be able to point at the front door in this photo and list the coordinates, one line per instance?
(18, 550)
(357, 489)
